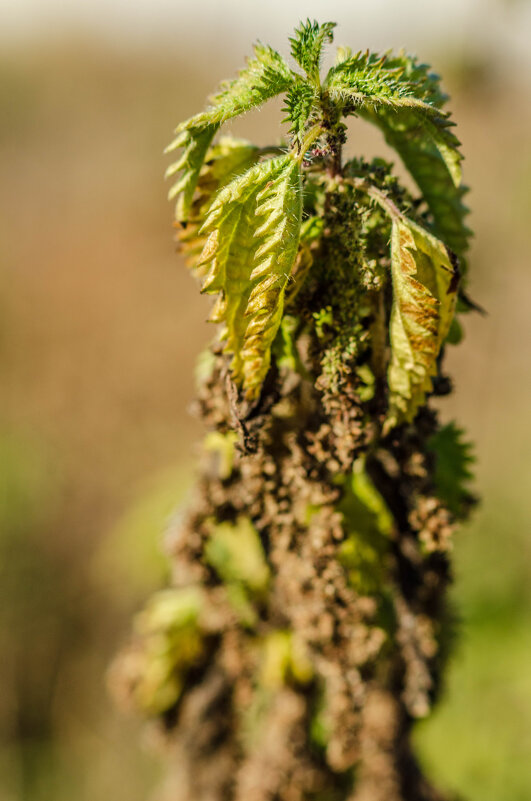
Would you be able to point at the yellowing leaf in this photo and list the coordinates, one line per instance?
(223, 161)
(195, 142)
(253, 229)
(424, 295)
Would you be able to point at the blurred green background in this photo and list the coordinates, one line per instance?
(100, 325)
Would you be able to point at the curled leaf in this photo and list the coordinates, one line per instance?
(195, 142)
(225, 160)
(367, 80)
(253, 229)
(430, 152)
(424, 296)
(265, 76)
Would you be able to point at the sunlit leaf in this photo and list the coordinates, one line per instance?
(195, 143)
(307, 45)
(265, 76)
(367, 79)
(430, 151)
(225, 160)
(424, 296)
(253, 229)
(300, 102)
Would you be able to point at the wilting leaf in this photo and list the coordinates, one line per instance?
(404, 99)
(429, 151)
(253, 229)
(224, 161)
(424, 296)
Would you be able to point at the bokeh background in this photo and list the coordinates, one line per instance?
(100, 325)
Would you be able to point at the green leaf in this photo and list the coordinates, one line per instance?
(170, 610)
(300, 102)
(424, 298)
(223, 161)
(428, 148)
(368, 524)
(307, 45)
(168, 643)
(364, 490)
(368, 80)
(253, 227)
(404, 99)
(312, 229)
(429, 152)
(222, 446)
(265, 76)
(195, 142)
(285, 658)
(228, 157)
(236, 554)
(455, 334)
(453, 457)
(285, 346)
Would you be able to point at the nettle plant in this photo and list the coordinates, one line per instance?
(307, 626)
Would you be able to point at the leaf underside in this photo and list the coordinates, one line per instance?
(225, 160)
(195, 143)
(253, 229)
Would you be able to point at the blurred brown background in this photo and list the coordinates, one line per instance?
(100, 325)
